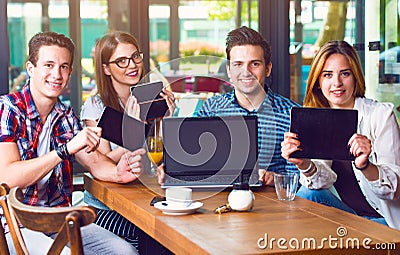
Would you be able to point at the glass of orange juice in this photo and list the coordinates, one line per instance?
(155, 144)
(155, 149)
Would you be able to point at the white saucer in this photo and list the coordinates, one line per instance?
(163, 206)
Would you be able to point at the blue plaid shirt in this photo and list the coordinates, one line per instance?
(20, 123)
(273, 120)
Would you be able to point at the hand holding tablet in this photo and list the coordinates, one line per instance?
(122, 129)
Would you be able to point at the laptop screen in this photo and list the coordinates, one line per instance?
(207, 146)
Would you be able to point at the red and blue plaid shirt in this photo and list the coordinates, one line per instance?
(20, 123)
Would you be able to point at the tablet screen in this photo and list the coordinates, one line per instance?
(324, 133)
(122, 130)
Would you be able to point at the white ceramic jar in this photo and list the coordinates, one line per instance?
(241, 198)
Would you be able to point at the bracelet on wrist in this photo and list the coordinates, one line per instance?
(62, 152)
(362, 168)
(309, 170)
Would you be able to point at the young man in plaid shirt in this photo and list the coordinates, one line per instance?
(39, 137)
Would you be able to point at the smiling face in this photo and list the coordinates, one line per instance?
(124, 77)
(337, 82)
(247, 69)
(51, 74)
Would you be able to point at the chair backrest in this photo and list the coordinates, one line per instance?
(207, 84)
(12, 225)
(66, 221)
(178, 85)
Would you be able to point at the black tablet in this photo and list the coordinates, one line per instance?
(152, 105)
(122, 130)
(324, 133)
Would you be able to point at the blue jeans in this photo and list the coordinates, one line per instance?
(95, 239)
(326, 197)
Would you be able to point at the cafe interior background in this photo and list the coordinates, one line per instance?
(171, 32)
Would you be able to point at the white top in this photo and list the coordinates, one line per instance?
(43, 148)
(378, 122)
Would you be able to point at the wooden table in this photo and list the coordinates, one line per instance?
(273, 227)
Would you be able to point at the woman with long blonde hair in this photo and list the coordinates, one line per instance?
(369, 186)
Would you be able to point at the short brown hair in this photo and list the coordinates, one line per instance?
(247, 36)
(48, 39)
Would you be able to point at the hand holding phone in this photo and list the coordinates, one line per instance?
(147, 92)
(152, 104)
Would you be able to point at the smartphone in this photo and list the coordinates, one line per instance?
(147, 92)
(152, 105)
(156, 199)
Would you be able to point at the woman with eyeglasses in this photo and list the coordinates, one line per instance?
(118, 66)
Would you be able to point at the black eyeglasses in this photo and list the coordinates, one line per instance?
(123, 62)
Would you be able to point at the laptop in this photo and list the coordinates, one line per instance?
(210, 152)
(122, 130)
(324, 133)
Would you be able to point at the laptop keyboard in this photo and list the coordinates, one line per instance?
(201, 180)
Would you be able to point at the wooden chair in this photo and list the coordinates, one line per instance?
(4, 189)
(66, 221)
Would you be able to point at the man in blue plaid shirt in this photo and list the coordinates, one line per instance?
(249, 63)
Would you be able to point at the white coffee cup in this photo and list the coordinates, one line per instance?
(178, 197)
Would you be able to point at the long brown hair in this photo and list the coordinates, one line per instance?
(104, 49)
(314, 96)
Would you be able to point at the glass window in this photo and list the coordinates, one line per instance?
(382, 63)
(159, 33)
(28, 18)
(94, 24)
(321, 21)
(203, 26)
(24, 20)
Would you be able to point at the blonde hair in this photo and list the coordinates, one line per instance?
(314, 96)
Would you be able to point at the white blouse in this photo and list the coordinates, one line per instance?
(378, 122)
